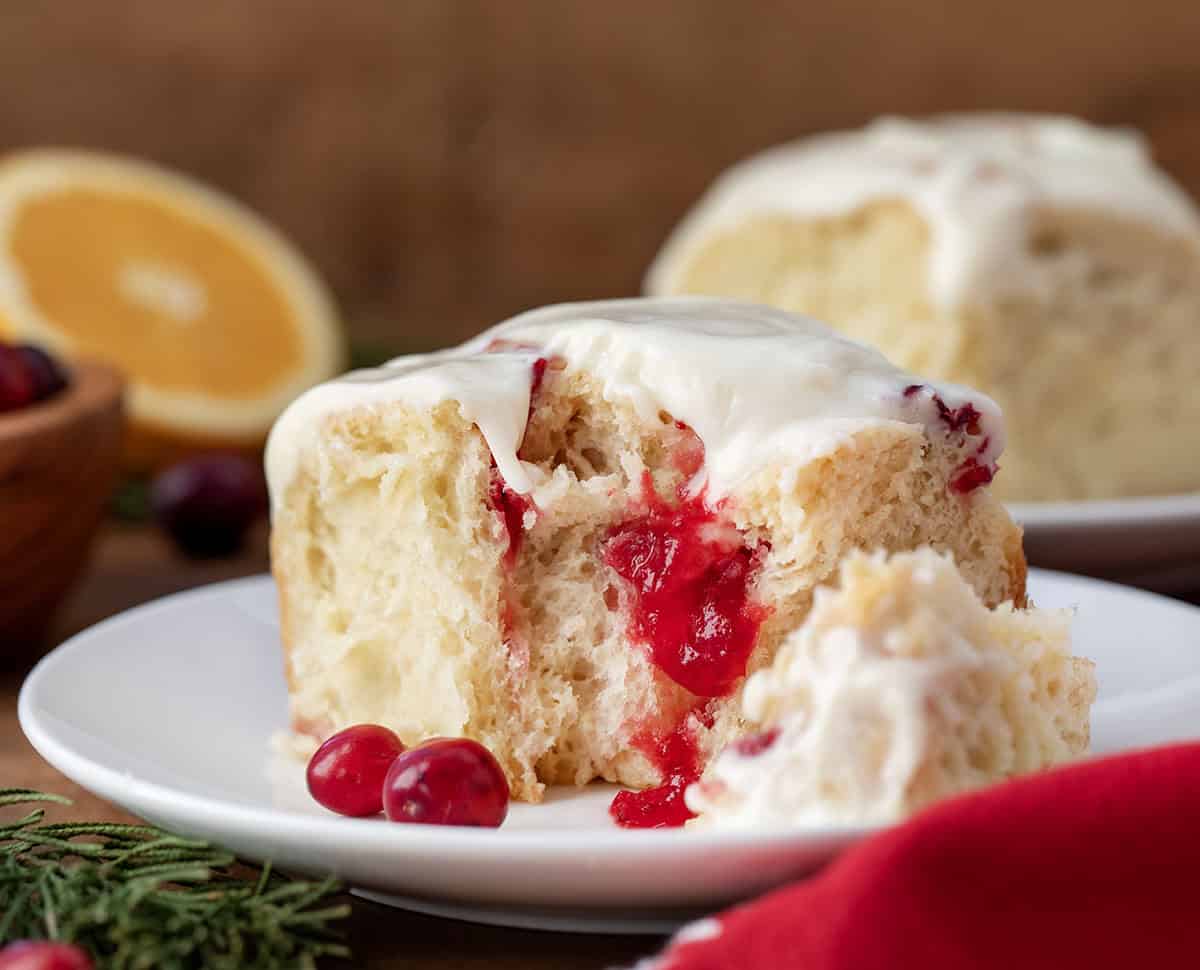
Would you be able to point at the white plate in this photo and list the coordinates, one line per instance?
(167, 710)
(1152, 541)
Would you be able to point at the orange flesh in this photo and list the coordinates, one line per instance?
(105, 236)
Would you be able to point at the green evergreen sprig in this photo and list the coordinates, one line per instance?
(137, 897)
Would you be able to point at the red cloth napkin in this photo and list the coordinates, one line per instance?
(1094, 865)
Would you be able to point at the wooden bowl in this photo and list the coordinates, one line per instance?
(58, 465)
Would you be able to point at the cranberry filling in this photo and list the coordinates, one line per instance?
(678, 759)
(971, 474)
(690, 579)
(690, 576)
(965, 418)
(512, 507)
(535, 385)
(752, 745)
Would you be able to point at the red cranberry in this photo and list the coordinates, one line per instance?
(17, 389)
(446, 781)
(43, 955)
(47, 374)
(27, 375)
(346, 773)
(207, 503)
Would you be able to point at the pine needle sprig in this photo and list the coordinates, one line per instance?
(137, 897)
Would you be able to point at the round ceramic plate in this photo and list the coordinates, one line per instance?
(1152, 542)
(167, 710)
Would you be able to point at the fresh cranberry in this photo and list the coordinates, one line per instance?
(207, 503)
(690, 580)
(446, 781)
(47, 374)
(17, 389)
(346, 773)
(677, 758)
(43, 955)
(27, 375)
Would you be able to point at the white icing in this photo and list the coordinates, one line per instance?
(976, 179)
(857, 708)
(754, 383)
(491, 389)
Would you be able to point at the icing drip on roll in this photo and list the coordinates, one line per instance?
(977, 180)
(755, 384)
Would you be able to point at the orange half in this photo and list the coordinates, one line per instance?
(214, 318)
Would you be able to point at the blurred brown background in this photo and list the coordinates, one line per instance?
(449, 162)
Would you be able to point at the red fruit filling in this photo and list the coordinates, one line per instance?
(512, 507)
(446, 781)
(752, 745)
(690, 577)
(688, 455)
(972, 473)
(677, 757)
(539, 373)
(964, 418)
(346, 773)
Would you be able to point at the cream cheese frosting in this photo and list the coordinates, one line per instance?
(975, 179)
(851, 711)
(899, 688)
(754, 383)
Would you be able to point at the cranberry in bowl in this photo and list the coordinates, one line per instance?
(60, 447)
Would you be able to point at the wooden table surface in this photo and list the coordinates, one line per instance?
(131, 566)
